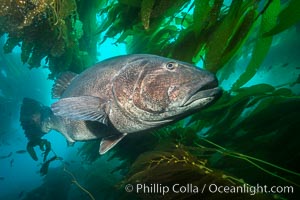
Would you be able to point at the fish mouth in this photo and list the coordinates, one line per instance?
(209, 91)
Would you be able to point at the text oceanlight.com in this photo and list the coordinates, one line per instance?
(211, 188)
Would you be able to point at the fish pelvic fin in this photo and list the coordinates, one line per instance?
(86, 108)
(109, 142)
(61, 83)
(70, 142)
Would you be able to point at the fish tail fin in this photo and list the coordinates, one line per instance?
(32, 118)
(35, 119)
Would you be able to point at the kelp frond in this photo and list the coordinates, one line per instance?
(178, 165)
(44, 29)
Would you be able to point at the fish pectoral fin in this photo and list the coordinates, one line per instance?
(86, 108)
(109, 142)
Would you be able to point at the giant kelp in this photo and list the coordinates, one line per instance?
(64, 32)
(258, 119)
(242, 134)
(48, 29)
(170, 164)
(198, 30)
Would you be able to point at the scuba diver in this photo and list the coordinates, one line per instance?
(32, 115)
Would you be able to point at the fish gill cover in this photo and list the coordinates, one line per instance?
(249, 136)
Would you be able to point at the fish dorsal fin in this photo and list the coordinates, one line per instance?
(86, 108)
(109, 142)
(61, 83)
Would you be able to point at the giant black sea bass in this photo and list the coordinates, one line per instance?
(128, 94)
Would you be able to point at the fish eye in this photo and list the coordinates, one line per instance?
(171, 65)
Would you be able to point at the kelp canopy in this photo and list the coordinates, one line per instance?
(260, 120)
(64, 32)
(48, 29)
(215, 31)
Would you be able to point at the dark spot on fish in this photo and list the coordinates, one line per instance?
(95, 126)
(136, 59)
(144, 62)
(2, 178)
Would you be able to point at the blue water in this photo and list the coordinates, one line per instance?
(19, 172)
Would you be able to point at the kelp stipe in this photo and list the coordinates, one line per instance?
(74, 180)
(253, 161)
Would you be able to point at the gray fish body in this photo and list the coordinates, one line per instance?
(131, 94)
(75, 130)
(37, 120)
(85, 85)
